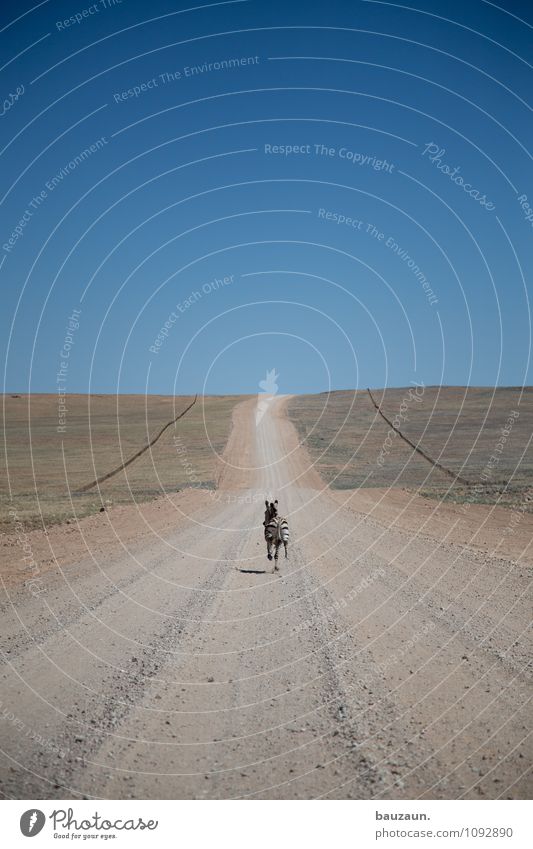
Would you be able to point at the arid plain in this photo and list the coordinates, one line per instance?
(150, 652)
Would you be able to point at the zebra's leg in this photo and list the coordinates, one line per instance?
(269, 549)
(286, 550)
(276, 567)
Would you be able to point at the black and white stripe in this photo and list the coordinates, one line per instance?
(276, 534)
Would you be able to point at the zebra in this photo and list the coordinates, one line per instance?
(276, 531)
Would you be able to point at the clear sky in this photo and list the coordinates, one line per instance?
(335, 190)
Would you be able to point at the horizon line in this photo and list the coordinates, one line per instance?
(20, 393)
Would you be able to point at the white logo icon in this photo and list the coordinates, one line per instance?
(269, 388)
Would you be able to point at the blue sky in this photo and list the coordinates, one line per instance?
(253, 185)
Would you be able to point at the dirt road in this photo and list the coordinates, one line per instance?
(380, 663)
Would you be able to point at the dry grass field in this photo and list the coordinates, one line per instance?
(459, 427)
(153, 652)
(42, 468)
